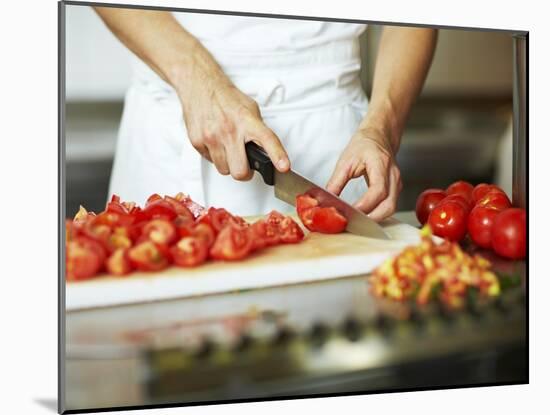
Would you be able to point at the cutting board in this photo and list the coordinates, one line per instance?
(318, 257)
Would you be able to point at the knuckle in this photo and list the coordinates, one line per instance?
(209, 138)
(240, 174)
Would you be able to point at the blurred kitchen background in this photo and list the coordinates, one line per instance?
(460, 127)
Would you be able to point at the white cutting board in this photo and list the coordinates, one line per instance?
(318, 257)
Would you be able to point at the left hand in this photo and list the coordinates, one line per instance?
(370, 154)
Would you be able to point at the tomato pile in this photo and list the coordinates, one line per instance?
(317, 218)
(431, 271)
(484, 212)
(167, 230)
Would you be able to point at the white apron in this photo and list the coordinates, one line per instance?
(304, 75)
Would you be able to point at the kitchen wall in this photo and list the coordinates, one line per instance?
(458, 129)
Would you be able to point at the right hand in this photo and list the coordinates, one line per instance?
(220, 119)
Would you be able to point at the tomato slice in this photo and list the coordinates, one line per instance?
(160, 231)
(116, 206)
(153, 198)
(219, 217)
(112, 219)
(304, 202)
(327, 220)
(84, 259)
(119, 238)
(190, 251)
(319, 219)
(193, 207)
(205, 232)
(118, 263)
(181, 210)
(232, 243)
(159, 208)
(290, 231)
(264, 234)
(147, 256)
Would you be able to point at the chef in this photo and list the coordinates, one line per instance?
(206, 84)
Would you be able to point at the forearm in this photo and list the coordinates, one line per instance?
(162, 43)
(403, 60)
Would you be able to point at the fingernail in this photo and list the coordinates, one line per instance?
(282, 164)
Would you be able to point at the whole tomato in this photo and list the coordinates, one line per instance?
(460, 198)
(426, 202)
(449, 220)
(482, 189)
(495, 199)
(480, 225)
(509, 236)
(462, 188)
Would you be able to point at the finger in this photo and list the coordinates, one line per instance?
(340, 177)
(389, 205)
(217, 154)
(377, 180)
(271, 144)
(237, 160)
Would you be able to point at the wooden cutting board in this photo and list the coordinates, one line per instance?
(318, 257)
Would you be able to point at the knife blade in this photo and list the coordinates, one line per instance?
(290, 184)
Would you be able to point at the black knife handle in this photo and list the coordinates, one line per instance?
(259, 160)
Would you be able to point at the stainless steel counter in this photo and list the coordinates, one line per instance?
(323, 337)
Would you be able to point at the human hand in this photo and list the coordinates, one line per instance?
(369, 154)
(220, 119)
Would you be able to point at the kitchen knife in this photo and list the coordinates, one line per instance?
(290, 184)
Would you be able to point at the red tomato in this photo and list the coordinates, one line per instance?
(462, 188)
(264, 234)
(233, 242)
(509, 237)
(182, 212)
(160, 231)
(118, 263)
(147, 256)
(153, 198)
(159, 208)
(328, 220)
(193, 207)
(495, 199)
(84, 258)
(120, 238)
(482, 189)
(189, 251)
(457, 197)
(112, 219)
(480, 225)
(304, 202)
(449, 220)
(218, 218)
(290, 231)
(426, 202)
(205, 232)
(319, 219)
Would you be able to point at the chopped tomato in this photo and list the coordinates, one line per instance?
(83, 215)
(153, 198)
(160, 231)
(327, 220)
(319, 219)
(189, 251)
(219, 217)
(193, 207)
(119, 238)
(290, 231)
(181, 210)
(304, 202)
(84, 259)
(159, 208)
(205, 232)
(118, 263)
(264, 234)
(112, 219)
(233, 242)
(147, 256)
(99, 233)
(116, 206)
